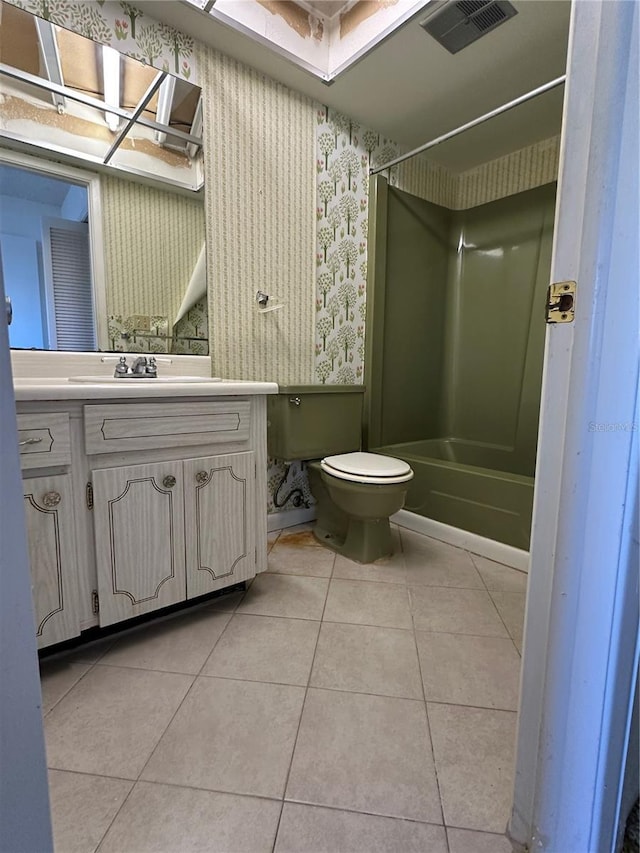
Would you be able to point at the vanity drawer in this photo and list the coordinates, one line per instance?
(44, 440)
(146, 426)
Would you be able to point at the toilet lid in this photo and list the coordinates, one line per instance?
(367, 468)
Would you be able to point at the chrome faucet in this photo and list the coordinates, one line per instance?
(142, 368)
(139, 366)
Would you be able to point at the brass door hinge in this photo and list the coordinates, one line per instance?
(89, 495)
(561, 302)
(95, 602)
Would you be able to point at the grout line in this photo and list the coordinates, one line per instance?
(426, 712)
(304, 702)
(330, 807)
(137, 779)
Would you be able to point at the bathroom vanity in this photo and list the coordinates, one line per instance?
(137, 498)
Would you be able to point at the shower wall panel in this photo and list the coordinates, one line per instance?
(497, 285)
(410, 348)
(455, 329)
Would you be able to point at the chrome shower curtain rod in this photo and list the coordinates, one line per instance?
(476, 121)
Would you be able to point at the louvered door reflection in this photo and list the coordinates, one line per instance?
(68, 285)
(139, 531)
(219, 521)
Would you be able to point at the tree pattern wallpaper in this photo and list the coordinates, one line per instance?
(344, 152)
(123, 26)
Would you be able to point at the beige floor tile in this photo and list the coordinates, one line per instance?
(318, 830)
(234, 736)
(434, 563)
(272, 538)
(228, 602)
(179, 644)
(511, 607)
(457, 611)
(362, 603)
(496, 576)
(463, 670)
(286, 595)
(82, 807)
(365, 753)
(110, 721)
(388, 570)
(301, 560)
(301, 535)
(90, 652)
(473, 750)
(467, 841)
(57, 677)
(368, 660)
(168, 819)
(265, 648)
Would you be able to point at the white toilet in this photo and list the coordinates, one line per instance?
(355, 492)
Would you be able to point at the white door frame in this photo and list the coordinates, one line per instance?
(581, 630)
(25, 823)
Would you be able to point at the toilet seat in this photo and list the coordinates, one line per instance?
(367, 468)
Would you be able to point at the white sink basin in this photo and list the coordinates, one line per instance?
(135, 380)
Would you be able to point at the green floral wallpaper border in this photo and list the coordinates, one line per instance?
(124, 27)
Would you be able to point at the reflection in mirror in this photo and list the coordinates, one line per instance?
(126, 289)
(66, 93)
(44, 244)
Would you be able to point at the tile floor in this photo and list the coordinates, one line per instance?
(332, 707)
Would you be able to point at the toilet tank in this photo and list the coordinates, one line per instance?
(312, 421)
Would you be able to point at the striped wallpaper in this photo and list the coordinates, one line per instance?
(259, 155)
(521, 170)
(152, 242)
(514, 173)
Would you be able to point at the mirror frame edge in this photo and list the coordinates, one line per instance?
(92, 182)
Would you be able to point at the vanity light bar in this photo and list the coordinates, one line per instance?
(51, 58)
(25, 77)
(111, 83)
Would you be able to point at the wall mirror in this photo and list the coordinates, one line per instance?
(134, 243)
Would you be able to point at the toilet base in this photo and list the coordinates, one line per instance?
(366, 540)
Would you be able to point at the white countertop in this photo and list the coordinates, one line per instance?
(42, 375)
(56, 388)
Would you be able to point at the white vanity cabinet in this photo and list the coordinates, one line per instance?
(172, 530)
(219, 513)
(178, 527)
(134, 506)
(44, 441)
(139, 535)
(48, 504)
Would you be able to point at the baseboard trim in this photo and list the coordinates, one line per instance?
(289, 518)
(489, 548)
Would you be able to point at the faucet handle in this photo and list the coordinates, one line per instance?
(152, 367)
(122, 368)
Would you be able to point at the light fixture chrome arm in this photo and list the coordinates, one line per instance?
(476, 121)
(153, 88)
(81, 98)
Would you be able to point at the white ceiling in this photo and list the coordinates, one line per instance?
(30, 186)
(411, 89)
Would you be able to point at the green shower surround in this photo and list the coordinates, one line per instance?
(455, 340)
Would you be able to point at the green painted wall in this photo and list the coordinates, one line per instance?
(455, 326)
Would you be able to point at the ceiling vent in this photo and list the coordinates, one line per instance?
(458, 24)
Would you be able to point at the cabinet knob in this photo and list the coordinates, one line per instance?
(51, 499)
(202, 477)
(169, 481)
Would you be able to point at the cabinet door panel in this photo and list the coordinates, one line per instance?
(138, 521)
(219, 521)
(50, 532)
